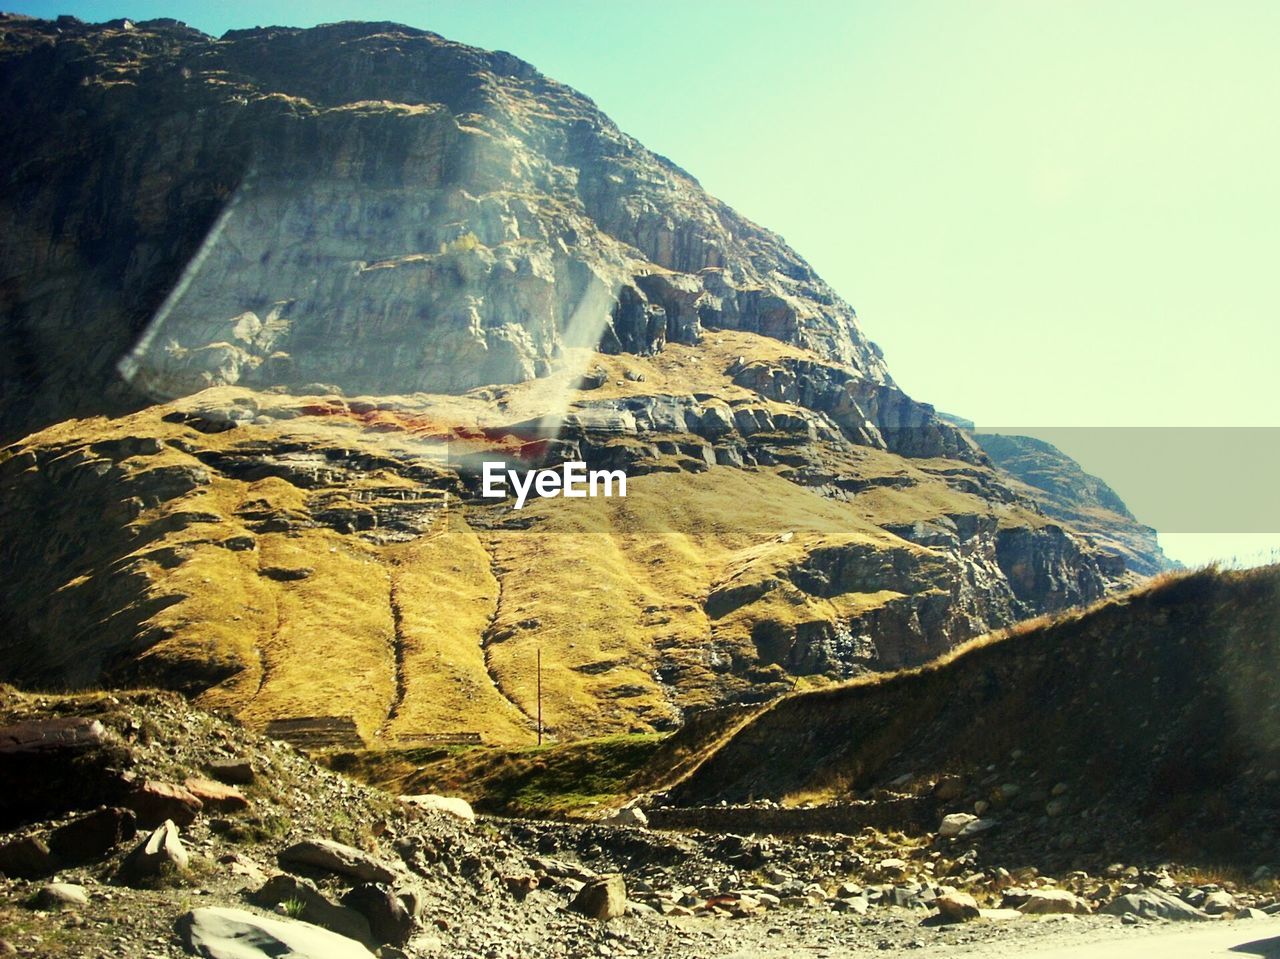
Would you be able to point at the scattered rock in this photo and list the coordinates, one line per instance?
(155, 802)
(161, 852)
(92, 836)
(286, 574)
(215, 795)
(957, 906)
(236, 934)
(453, 805)
(58, 895)
(1153, 904)
(26, 858)
(335, 857)
(602, 898)
(314, 907)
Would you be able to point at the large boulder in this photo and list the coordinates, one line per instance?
(1045, 902)
(26, 858)
(93, 835)
(957, 906)
(601, 898)
(160, 853)
(392, 912)
(235, 934)
(335, 857)
(1153, 904)
(155, 802)
(315, 906)
(452, 805)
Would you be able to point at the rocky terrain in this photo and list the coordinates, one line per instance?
(269, 299)
(183, 829)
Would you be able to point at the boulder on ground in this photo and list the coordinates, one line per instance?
(93, 835)
(154, 802)
(26, 858)
(236, 772)
(335, 857)
(1048, 902)
(316, 907)
(1153, 904)
(627, 816)
(957, 906)
(453, 805)
(59, 895)
(161, 852)
(392, 912)
(235, 934)
(602, 898)
(215, 795)
(954, 824)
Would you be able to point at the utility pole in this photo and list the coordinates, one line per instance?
(539, 695)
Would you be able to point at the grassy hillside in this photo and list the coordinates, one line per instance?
(1154, 718)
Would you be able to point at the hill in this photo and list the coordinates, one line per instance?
(1146, 725)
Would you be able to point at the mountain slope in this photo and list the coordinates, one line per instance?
(1148, 722)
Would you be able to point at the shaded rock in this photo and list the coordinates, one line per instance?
(316, 907)
(1218, 902)
(957, 906)
(216, 796)
(58, 895)
(602, 898)
(155, 802)
(285, 574)
(94, 835)
(452, 805)
(161, 852)
(392, 913)
(1153, 904)
(1044, 902)
(235, 934)
(26, 858)
(238, 772)
(520, 886)
(335, 857)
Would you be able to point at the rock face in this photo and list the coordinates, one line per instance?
(1072, 496)
(342, 267)
(469, 217)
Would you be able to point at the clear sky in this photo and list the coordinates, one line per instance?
(1048, 212)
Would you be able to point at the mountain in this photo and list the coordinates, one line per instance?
(269, 302)
(1086, 503)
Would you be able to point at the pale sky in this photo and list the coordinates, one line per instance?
(1049, 213)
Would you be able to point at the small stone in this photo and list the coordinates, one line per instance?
(236, 772)
(1217, 903)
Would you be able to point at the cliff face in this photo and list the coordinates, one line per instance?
(338, 268)
(365, 205)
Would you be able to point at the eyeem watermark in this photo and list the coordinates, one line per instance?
(570, 480)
